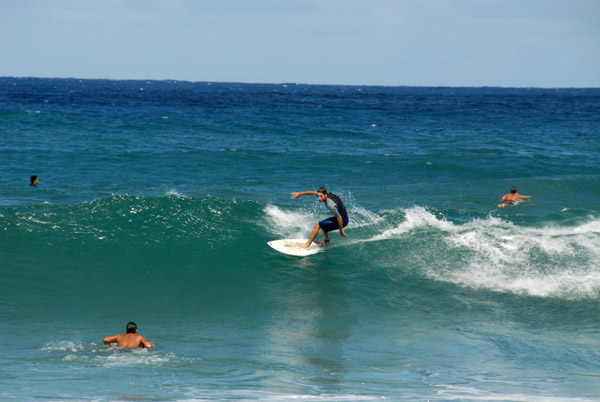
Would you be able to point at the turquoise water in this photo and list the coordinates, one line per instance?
(156, 200)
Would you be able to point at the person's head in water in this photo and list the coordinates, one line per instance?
(33, 180)
(513, 190)
(131, 328)
(322, 194)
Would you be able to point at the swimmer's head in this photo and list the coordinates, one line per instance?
(513, 190)
(131, 328)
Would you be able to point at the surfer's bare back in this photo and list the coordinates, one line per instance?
(511, 198)
(131, 339)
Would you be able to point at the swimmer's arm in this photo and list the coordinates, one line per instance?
(297, 194)
(145, 343)
(110, 339)
(524, 197)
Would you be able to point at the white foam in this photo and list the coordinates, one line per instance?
(198, 395)
(416, 217)
(175, 193)
(133, 357)
(113, 356)
(362, 218)
(35, 220)
(551, 260)
(462, 393)
(63, 346)
(288, 224)
(540, 261)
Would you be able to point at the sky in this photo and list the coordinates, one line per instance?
(507, 43)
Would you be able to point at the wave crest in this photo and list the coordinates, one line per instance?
(550, 260)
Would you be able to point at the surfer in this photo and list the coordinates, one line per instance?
(131, 339)
(338, 221)
(33, 181)
(511, 198)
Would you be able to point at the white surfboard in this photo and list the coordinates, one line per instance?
(289, 246)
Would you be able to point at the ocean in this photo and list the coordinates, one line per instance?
(156, 200)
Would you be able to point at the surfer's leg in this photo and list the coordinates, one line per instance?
(327, 226)
(313, 236)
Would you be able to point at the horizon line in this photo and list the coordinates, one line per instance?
(293, 83)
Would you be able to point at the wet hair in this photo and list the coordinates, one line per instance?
(131, 327)
(32, 179)
(322, 190)
(513, 190)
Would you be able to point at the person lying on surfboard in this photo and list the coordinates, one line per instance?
(511, 198)
(338, 221)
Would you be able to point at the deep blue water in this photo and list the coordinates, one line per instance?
(156, 200)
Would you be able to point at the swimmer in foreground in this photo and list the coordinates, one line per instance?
(338, 221)
(131, 339)
(511, 198)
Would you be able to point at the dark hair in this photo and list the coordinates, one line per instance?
(131, 327)
(322, 190)
(513, 190)
(32, 178)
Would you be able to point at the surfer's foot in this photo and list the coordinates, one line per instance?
(303, 245)
(322, 243)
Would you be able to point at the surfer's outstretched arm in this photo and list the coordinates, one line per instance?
(297, 194)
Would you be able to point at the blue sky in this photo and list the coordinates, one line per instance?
(522, 43)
